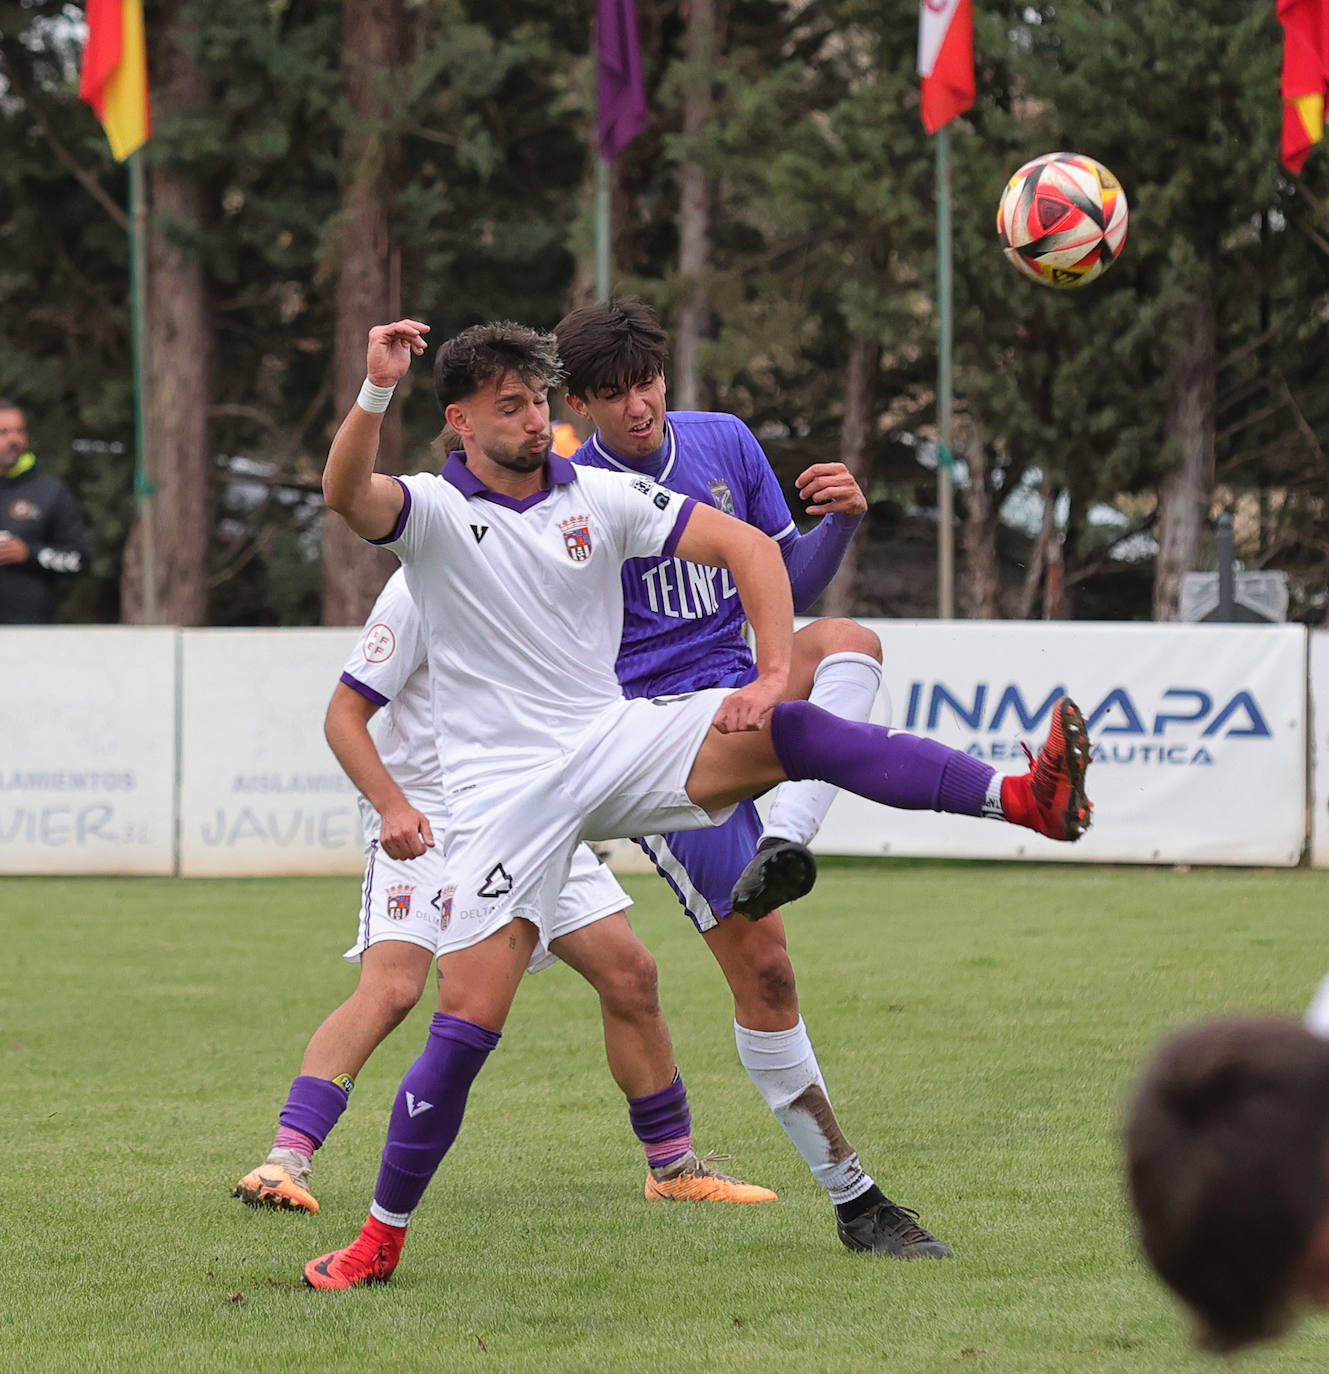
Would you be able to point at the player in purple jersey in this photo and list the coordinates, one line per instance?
(515, 556)
(683, 630)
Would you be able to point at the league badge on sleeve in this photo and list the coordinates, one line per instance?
(659, 495)
(379, 643)
(577, 537)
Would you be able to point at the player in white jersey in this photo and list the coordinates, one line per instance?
(513, 556)
(403, 913)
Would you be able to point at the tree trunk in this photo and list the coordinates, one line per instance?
(174, 530)
(1055, 602)
(855, 454)
(696, 198)
(980, 584)
(1039, 554)
(368, 278)
(1185, 493)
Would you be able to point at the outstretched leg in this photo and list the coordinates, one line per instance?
(899, 769)
(913, 773)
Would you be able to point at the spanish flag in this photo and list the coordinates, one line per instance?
(114, 80)
(1305, 76)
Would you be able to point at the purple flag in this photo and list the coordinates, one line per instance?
(620, 91)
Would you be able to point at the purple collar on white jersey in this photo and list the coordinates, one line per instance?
(657, 466)
(561, 472)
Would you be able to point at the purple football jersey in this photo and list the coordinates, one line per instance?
(682, 622)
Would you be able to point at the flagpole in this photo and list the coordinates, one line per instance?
(945, 394)
(603, 227)
(138, 314)
(620, 113)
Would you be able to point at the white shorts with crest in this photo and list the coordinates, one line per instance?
(402, 900)
(510, 844)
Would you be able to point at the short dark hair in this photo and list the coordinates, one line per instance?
(7, 404)
(1227, 1154)
(611, 346)
(467, 361)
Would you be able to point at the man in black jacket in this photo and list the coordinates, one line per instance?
(41, 530)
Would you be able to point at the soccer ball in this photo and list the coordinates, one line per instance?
(1062, 219)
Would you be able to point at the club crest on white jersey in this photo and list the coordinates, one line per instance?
(577, 537)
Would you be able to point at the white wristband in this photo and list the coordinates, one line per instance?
(374, 398)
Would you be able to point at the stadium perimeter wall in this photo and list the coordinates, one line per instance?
(201, 752)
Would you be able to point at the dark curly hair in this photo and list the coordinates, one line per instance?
(477, 355)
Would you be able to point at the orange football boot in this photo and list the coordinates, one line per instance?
(691, 1179)
(280, 1182)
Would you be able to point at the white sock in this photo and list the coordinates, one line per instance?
(389, 1218)
(784, 1068)
(846, 685)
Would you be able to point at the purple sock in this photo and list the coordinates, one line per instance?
(663, 1123)
(312, 1108)
(427, 1113)
(887, 766)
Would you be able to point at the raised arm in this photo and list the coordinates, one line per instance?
(405, 831)
(812, 559)
(368, 501)
(758, 570)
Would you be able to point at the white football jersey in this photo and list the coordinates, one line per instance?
(523, 603)
(389, 666)
(1317, 1014)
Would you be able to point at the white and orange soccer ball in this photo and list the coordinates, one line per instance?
(1062, 219)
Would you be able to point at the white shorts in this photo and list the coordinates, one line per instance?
(402, 900)
(510, 844)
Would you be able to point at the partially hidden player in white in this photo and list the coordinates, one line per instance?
(514, 556)
(404, 912)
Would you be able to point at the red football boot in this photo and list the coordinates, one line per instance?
(369, 1258)
(1050, 798)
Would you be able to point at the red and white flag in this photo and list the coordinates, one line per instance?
(945, 60)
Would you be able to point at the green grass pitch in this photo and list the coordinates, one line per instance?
(977, 1024)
